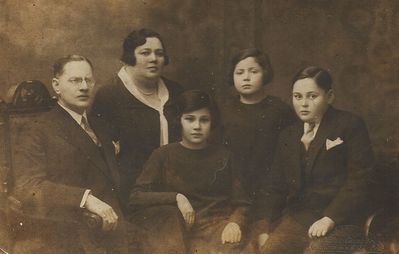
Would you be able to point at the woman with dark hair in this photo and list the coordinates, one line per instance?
(135, 104)
(188, 191)
(315, 197)
(252, 120)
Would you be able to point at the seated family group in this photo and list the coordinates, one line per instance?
(172, 171)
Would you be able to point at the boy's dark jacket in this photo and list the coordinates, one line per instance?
(324, 181)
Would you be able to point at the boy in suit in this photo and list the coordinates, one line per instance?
(314, 195)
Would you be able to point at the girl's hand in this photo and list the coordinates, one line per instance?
(186, 209)
(231, 233)
(321, 227)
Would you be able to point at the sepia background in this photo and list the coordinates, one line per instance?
(356, 40)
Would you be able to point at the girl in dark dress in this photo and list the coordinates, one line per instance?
(252, 121)
(197, 180)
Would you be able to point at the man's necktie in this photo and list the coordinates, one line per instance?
(308, 135)
(86, 127)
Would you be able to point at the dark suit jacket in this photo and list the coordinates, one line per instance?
(320, 182)
(55, 161)
(135, 125)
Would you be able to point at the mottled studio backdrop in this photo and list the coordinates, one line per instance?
(358, 41)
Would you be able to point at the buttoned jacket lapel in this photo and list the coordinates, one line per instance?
(108, 148)
(327, 125)
(72, 133)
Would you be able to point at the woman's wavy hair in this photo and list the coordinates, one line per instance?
(137, 38)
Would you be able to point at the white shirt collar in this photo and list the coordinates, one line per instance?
(163, 95)
(163, 92)
(77, 117)
(306, 127)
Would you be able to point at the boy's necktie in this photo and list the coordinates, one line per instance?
(308, 135)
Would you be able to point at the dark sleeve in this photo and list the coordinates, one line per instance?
(271, 197)
(239, 197)
(33, 185)
(149, 189)
(216, 136)
(174, 88)
(104, 106)
(288, 116)
(360, 161)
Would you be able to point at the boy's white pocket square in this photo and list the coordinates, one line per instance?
(331, 143)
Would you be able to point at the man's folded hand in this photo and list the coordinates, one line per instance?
(105, 211)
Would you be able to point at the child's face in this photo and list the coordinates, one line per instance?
(196, 126)
(248, 76)
(309, 100)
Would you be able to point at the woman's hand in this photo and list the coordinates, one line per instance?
(186, 209)
(321, 227)
(231, 233)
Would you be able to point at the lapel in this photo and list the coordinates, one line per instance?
(295, 155)
(327, 125)
(108, 148)
(71, 132)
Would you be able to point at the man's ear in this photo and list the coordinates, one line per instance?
(330, 96)
(56, 85)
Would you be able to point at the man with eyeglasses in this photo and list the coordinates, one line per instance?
(65, 167)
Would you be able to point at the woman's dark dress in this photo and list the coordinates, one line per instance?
(135, 125)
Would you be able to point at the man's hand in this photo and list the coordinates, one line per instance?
(231, 233)
(102, 209)
(321, 227)
(186, 209)
(262, 238)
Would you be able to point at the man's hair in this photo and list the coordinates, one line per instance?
(321, 77)
(58, 66)
(260, 57)
(137, 38)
